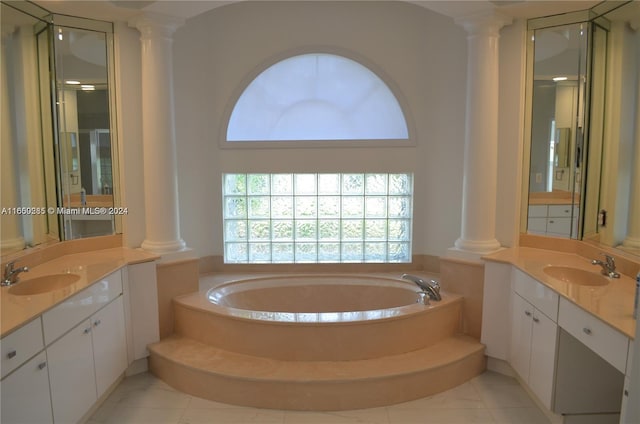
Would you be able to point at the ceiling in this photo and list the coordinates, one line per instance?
(122, 10)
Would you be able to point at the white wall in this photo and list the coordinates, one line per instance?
(420, 53)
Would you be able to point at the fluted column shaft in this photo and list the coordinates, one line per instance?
(478, 225)
(162, 218)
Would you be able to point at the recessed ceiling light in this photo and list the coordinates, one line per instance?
(72, 82)
(556, 79)
(88, 87)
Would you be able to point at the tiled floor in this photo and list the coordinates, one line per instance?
(488, 398)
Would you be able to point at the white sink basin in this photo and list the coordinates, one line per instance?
(44, 284)
(575, 276)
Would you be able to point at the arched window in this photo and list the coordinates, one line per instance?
(317, 97)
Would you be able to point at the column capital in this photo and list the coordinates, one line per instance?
(152, 24)
(484, 23)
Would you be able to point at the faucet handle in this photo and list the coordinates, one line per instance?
(611, 262)
(8, 268)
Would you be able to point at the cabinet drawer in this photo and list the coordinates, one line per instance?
(561, 211)
(80, 306)
(538, 211)
(604, 340)
(21, 345)
(540, 296)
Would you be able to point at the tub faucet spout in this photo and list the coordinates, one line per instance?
(431, 287)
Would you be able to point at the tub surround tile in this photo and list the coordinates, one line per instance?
(215, 264)
(208, 372)
(174, 279)
(466, 279)
(197, 319)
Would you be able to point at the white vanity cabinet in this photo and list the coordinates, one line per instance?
(86, 360)
(534, 335)
(25, 380)
(25, 394)
(71, 372)
(109, 345)
(601, 338)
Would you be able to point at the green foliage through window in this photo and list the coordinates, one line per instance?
(317, 218)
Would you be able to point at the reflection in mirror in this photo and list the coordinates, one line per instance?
(558, 125)
(84, 136)
(23, 192)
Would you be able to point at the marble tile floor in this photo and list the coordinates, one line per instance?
(488, 398)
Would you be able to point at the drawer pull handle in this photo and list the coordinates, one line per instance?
(97, 323)
(42, 365)
(12, 354)
(527, 313)
(87, 330)
(566, 211)
(536, 319)
(586, 330)
(551, 221)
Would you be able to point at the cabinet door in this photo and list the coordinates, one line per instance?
(109, 344)
(543, 355)
(73, 383)
(520, 354)
(25, 394)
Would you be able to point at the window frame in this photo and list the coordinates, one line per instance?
(410, 141)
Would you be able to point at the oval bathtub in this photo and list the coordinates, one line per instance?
(316, 317)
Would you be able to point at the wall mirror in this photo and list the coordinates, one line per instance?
(24, 200)
(58, 147)
(583, 152)
(84, 122)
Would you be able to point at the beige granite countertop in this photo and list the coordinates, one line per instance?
(612, 303)
(90, 266)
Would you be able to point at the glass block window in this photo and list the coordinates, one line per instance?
(317, 97)
(317, 218)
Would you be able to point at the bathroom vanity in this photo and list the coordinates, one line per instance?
(564, 328)
(64, 346)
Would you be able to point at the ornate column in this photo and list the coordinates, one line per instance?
(632, 240)
(162, 219)
(477, 235)
(10, 223)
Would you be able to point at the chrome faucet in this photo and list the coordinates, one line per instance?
(608, 266)
(11, 274)
(431, 288)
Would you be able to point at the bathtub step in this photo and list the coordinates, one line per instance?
(414, 328)
(212, 373)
